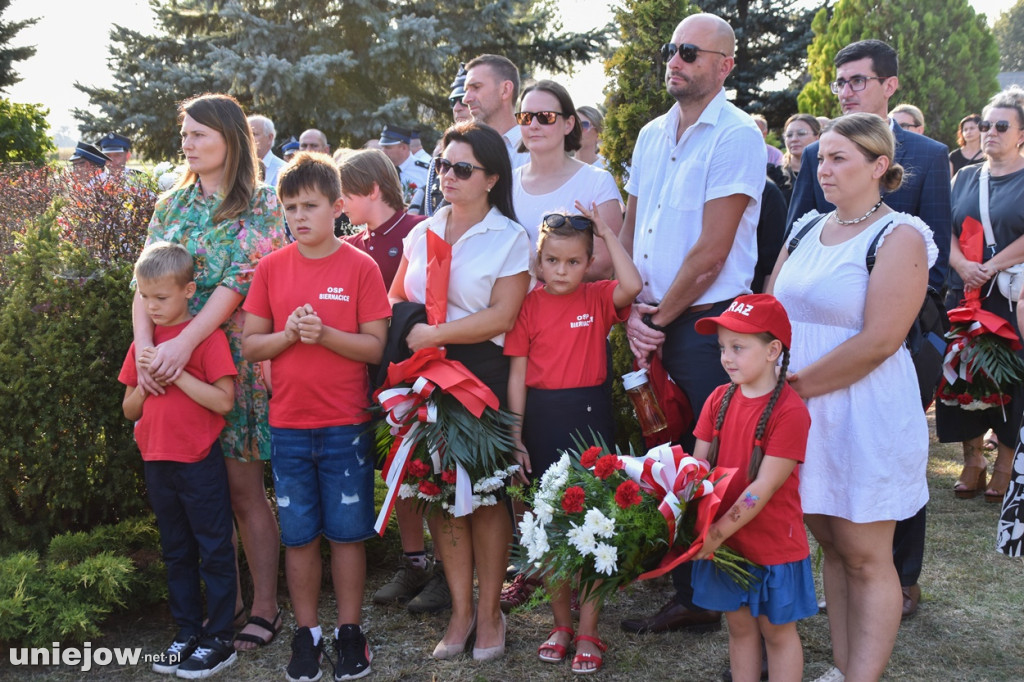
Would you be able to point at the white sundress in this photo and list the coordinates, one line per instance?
(867, 450)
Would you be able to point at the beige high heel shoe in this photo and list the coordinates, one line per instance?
(445, 651)
(492, 652)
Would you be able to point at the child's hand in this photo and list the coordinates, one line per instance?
(522, 458)
(711, 543)
(601, 228)
(291, 325)
(145, 357)
(311, 327)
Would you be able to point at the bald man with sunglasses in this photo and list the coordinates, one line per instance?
(694, 188)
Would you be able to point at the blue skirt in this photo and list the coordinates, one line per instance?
(782, 592)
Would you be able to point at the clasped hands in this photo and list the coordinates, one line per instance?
(304, 325)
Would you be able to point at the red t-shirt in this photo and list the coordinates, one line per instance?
(174, 427)
(563, 337)
(384, 245)
(313, 386)
(776, 535)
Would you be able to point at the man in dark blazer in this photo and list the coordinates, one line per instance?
(866, 77)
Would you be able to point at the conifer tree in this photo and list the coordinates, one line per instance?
(8, 54)
(947, 56)
(346, 67)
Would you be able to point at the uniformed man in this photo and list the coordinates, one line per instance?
(87, 162)
(117, 148)
(394, 142)
(289, 148)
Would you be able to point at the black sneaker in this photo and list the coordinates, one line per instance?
(179, 650)
(353, 652)
(210, 657)
(304, 665)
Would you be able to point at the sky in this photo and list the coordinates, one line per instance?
(71, 41)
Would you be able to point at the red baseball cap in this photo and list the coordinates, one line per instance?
(751, 314)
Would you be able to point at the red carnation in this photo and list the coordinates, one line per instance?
(627, 494)
(589, 457)
(418, 468)
(429, 488)
(448, 476)
(572, 501)
(606, 466)
(965, 399)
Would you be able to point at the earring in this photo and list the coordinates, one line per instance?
(489, 190)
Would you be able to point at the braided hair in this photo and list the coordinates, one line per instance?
(757, 455)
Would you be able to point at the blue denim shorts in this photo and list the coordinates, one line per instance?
(323, 480)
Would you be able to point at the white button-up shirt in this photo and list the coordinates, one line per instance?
(722, 154)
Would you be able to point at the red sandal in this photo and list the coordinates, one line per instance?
(598, 661)
(559, 649)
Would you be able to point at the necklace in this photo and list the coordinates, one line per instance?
(857, 220)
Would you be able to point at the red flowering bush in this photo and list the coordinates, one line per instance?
(572, 501)
(628, 494)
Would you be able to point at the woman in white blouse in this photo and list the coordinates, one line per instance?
(553, 180)
(489, 280)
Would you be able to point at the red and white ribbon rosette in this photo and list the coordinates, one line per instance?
(407, 408)
(675, 479)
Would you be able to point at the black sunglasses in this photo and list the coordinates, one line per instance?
(452, 101)
(1000, 126)
(687, 52)
(556, 220)
(546, 118)
(463, 169)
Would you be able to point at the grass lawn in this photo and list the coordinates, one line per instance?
(969, 626)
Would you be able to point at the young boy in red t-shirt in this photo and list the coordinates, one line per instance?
(177, 432)
(318, 310)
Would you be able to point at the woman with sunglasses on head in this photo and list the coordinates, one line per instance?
(553, 180)
(592, 123)
(228, 220)
(869, 436)
(489, 279)
(968, 139)
(1002, 135)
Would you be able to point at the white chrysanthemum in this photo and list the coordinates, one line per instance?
(489, 484)
(539, 547)
(544, 511)
(407, 491)
(599, 524)
(526, 529)
(582, 538)
(605, 558)
(162, 168)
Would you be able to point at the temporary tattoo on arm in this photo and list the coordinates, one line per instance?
(750, 501)
(716, 534)
(734, 513)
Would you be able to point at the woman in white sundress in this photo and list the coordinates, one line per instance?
(868, 445)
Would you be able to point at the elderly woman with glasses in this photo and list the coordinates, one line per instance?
(489, 279)
(1002, 136)
(908, 117)
(592, 123)
(553, 180)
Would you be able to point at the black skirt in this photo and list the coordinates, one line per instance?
(554, 417)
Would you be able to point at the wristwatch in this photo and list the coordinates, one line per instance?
(646, 319)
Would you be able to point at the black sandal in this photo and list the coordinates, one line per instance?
(261, 623)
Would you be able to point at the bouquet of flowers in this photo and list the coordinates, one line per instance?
(980, 365)
(612, 519)
(443, 439)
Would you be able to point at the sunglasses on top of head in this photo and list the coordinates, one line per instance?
(1000, 126)
(463, 169)
(545, 118)
(687, 52)
(579, 222)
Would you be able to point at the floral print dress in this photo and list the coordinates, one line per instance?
(225, 255)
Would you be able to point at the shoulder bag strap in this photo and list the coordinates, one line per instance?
(800, 235)
(986, 220)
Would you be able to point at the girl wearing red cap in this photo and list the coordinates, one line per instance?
(757, 424)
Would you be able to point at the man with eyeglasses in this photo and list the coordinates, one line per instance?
(866, 77)
(694, 187)
(491, 93)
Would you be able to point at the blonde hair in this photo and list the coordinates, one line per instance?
(873, 138)
(911, 111)
(164, 259)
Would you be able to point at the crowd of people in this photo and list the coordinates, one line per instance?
(776, 289)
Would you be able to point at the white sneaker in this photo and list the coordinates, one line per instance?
(832, 675)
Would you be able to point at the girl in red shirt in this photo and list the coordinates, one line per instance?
(758, 424)
(557, 376)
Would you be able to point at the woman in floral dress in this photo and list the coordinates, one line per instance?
(228, 221)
